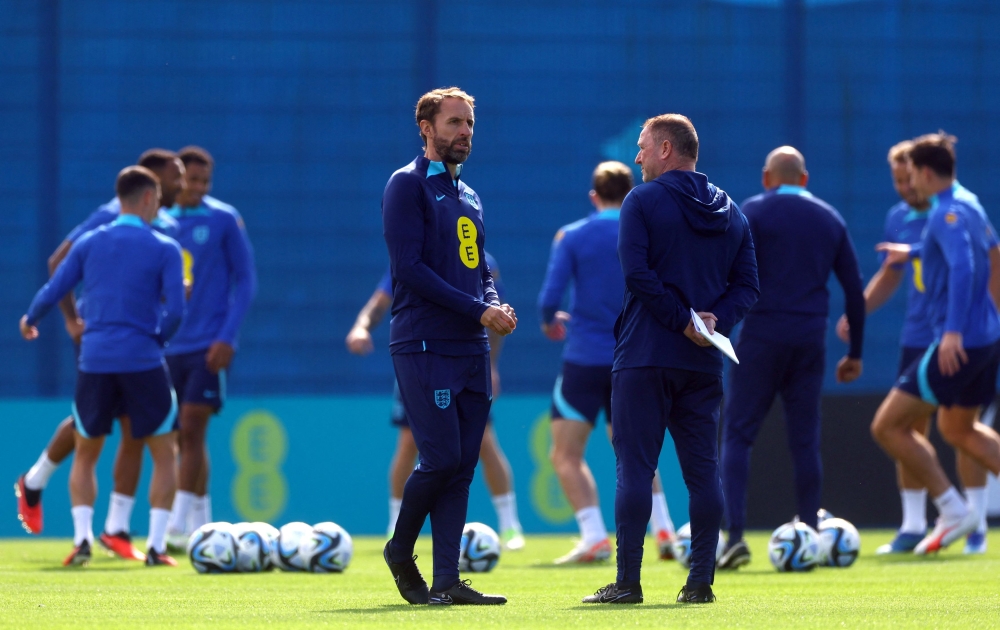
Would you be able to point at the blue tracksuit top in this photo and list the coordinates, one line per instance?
(385, 284)
(904, 224)
(106, 213)
(586, 254)
(682, 244)
(442, 285)
(956, 268)
(218, 262)
(799, 240)
(134, 280)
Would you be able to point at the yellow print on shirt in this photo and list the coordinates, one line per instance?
(918, 275)
(188, 267)
(468, 250)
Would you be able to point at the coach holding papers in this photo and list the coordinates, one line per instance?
(682, 244)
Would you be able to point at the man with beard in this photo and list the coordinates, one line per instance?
(443, 301)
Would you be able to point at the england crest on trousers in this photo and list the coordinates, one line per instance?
(442, 398)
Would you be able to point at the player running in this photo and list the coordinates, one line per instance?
(496, 470)
(134, 284)
(443, 300)
(586, 253)
(116, 535)
(905, 223)
(957, 374)
(219, 271)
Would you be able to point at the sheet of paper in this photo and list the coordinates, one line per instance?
(718, 340)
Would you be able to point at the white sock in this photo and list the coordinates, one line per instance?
(394, 505)
(977, 502)
(83, 523)
(914, 511)
(158, 518)
(591, 523)
(178, 515)
(119, 513)
(206, 504)
(38, 477)
(199, 514)
(506, 507)
(951, 505)
(660, 516)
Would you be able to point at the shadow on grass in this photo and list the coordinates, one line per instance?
(382, 609)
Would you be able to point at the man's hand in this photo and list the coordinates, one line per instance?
(556, 331)
(359, 341)
(951, 354)
(219, 356)
(843, 329)
(500, 319)
(848, 370)
(30, 333)
(895, 253)
(74, 328)
(709, 320)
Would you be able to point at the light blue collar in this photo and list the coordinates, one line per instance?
(788, 189)
(130, 219)
(177, 211)
(608, 214)
(437, 168)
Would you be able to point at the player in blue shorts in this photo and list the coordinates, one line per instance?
(219, 272)
(585, 254)
(957, 374)
(496, 470)
(134, 284)
(905, 224)
(116, 535)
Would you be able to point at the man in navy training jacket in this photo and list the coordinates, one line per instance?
(443, 301)
(133, 280)
(799, 239)
(683, 244)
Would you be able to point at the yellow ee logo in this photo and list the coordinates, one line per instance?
(259, 445)
(547, 495)
(188, 259)
(918, 275)
(468, 250)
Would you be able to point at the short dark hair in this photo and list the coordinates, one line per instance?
(192, 154)
(429, 104)
(678, 130)
(936, 151)
(133, 181)
(156, 159)
(612, 181)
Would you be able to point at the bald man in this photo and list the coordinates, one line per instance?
(782, 348)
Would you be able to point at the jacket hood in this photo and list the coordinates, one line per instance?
(706, 208)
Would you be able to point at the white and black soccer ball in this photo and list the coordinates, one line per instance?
(285, 553)
(253, 548)
(479, 550)
(212, 548)
(327, 549)
(682, 546)
(794, 547)
(839, 543)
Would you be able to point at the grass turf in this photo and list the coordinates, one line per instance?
(949, 590)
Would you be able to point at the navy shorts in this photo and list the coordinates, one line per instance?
(147, 397)
(120, 411)
(397, 417)
(973, 386)
(582, 393)
(195, 384)
(908, 356)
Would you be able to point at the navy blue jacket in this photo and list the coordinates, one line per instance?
(682, 244)
(800, 240)
(442, 285)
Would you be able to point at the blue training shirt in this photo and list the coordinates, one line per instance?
(956, 268)
(218, 262)
(584, 256)
(385, 283)
(904, 224)
(134, 279)
(442, 285)
(682, 244)
(799, 239)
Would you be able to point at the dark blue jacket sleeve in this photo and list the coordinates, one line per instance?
(403, 226)
(385, 284)
(956, 244)
(67, 276)
(492, 287)
(557, 277)
(96, 219)
(742, 289)
(239, 256)
(640, 279)
(172, 281)
(848, 273)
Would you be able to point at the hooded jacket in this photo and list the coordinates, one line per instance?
(683, 244)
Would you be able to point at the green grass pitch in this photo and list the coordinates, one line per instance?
(950, 590)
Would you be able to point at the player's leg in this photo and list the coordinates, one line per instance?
(29, 486)
(659, 520)
(162, 489)
(403, 461)
(116, 536)
(974, 479)
(800, 392)
(194, 419)
(201, 511)
(500, 482)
